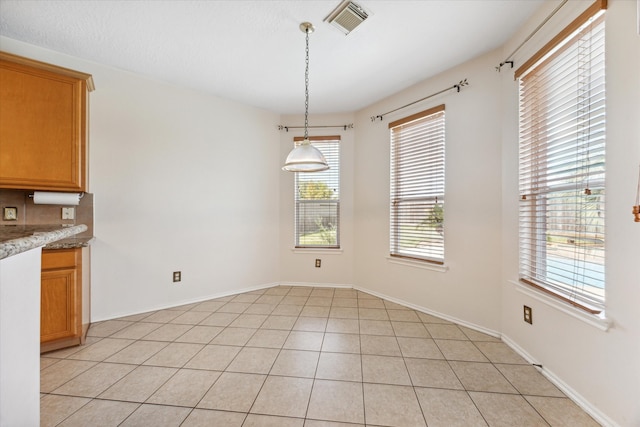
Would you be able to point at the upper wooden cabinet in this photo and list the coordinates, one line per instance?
(43, 125)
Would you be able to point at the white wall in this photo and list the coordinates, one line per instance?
(182, 181)
(298, 265)
(601, 368)
(470, 290)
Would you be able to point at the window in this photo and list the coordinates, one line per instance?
(417, 186)
(562, 165)
(317, 199)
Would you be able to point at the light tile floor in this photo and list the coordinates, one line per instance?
(295, 356)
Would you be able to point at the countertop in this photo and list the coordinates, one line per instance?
(15, 239)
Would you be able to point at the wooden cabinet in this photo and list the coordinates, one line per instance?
(62, 319)
(43, 125)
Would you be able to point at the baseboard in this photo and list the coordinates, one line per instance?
(451, 319)
(316, 285)
(401, 302)
(185, 302)
(576, 397)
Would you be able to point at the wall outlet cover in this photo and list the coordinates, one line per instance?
(68, 213)
(10, 213)
(528, 315)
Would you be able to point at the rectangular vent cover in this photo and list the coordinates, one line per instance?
(347, 16)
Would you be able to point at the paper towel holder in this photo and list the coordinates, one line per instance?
(80, 195)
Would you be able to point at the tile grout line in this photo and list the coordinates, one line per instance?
(404, 362)
(313, 382)
(364, 400)
(271, 368)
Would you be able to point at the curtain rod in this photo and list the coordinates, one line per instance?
(508, 60)
(456, 86)
(345, 127)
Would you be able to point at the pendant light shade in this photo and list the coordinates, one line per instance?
(305, 157)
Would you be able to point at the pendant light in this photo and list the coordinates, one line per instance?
(305, 157)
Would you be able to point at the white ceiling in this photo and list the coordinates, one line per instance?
(252, 51)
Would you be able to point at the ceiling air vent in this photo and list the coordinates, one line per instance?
(347, 16)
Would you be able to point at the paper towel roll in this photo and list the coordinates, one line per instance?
(51, 198)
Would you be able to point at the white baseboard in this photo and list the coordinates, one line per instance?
(185, 302)
(317, 285)
(576, 397)
(452, 319)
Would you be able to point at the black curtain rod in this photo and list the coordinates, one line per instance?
(286, 128)
(456, 86)
(509, 59)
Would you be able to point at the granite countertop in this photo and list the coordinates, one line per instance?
(69, 243)
(15, 239)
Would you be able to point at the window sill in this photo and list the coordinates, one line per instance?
(598, 321)
(425, 265)
(336, 251)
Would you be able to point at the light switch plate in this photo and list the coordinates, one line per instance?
(10, 213)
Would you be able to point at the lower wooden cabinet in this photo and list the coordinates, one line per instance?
(63, 321)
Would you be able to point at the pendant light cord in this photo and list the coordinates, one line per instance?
(306, 89)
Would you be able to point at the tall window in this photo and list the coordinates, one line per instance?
(317, 199)
(417, 186)
(562, 165)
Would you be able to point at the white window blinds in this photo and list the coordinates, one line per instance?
(317, 199)
(562, 167)
(417, 186)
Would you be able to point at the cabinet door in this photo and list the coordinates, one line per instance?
(59, 305)
(43, 130)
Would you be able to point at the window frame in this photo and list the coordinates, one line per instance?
(404, 176)
(540, 190)
(318, 142)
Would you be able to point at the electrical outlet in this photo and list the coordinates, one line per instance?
(10, 213)
(528, 315)
(68, 213)
(177, 276)
(318, 262)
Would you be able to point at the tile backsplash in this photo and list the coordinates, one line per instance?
(32, 214)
